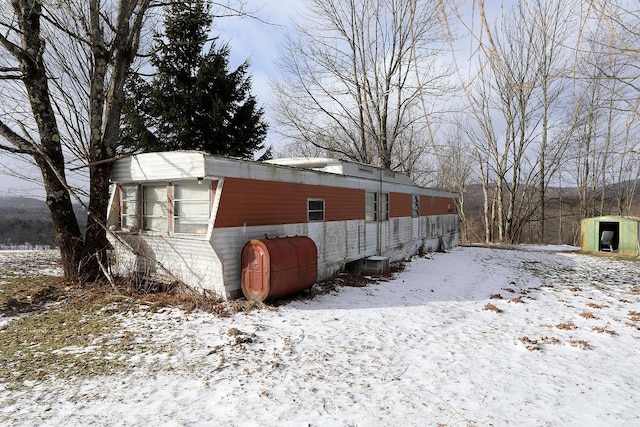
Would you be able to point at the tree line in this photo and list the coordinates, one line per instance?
(511, 100)
(26, 221)
(543, 94)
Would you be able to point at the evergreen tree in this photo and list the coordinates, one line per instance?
(194, 101)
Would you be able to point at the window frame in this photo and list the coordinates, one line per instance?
(376, 206)
(371, 206)
(316, 211)
(384, 206)
(164, 205)
(415, 206)
(140, 204)
(201, 222)
(125, 211)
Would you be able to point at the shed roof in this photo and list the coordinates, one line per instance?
(612, 218)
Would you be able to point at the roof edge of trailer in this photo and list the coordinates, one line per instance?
(343, 167)
(186, 164)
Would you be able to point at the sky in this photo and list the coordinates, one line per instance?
(258, 40)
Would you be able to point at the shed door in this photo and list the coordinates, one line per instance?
(612, 244)
(256, 270)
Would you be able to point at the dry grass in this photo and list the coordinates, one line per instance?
(536, 345)
(604, 330)
(531, 345)
(64, 330)
(587, 315)
(550, 340)
(566, 326)
(62, 342)
(584, 345)
(25, 295)
(491, 307)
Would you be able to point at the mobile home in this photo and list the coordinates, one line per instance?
(188, 214)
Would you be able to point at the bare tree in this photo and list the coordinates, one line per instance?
(65, 63)
(516, 105)
(505, 89)
(24, 42)
(551, 20)
(618, 29)
(606, 77)
(483, 137)
(456, 164)
(350, 86)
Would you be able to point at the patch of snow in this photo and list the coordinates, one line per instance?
(6, 319)
(30, 263)
(420, 349)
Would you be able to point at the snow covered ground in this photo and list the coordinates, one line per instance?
(473, 337)
(30, 262)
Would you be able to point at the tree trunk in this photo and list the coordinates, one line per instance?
(105, 106)
(48, 156)
(543, 173)
(64, 221)
(96, 244)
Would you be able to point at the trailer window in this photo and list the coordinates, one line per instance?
(155, 208)
(415, 206)
(371, 206)
(129, 208)
(315, 210)
(384, 206)
(376, 206)
(191, 207)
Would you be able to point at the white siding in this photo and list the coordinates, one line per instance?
(329, 238)
(371, 239)
(338, 242)
(159, 167)
(215, 265)
(228, 243)
(192, 261)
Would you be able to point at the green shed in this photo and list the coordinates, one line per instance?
(611, 234)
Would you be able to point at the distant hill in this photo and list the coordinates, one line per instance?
(27, 220)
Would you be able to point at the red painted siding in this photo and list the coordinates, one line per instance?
(254, 202)
(436, 205)
(399, 205)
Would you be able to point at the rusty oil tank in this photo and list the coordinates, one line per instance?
(272, 268)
